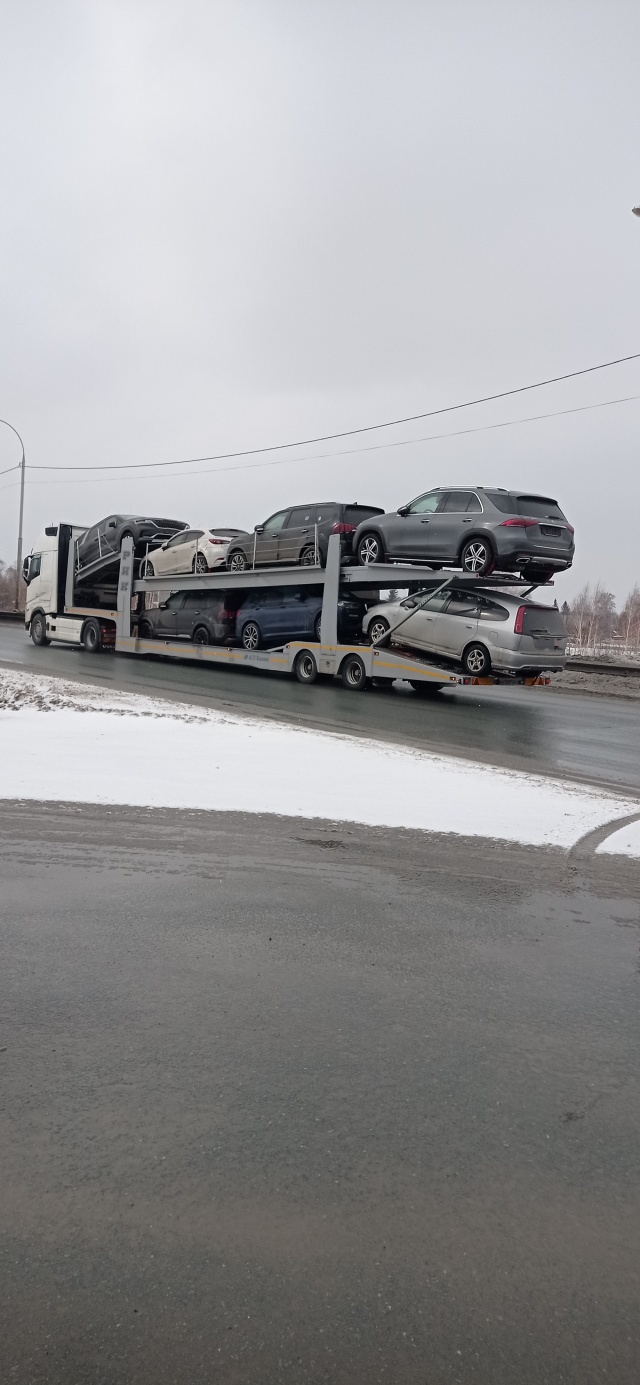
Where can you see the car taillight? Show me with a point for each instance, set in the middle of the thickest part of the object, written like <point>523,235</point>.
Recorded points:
<point>518,523</point>
<point>343,529</point>
<point>217,540</point>
<point>519,621</point>
<point>570,527</point>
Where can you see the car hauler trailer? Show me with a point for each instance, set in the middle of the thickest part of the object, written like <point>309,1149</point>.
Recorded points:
<point>60,608</point>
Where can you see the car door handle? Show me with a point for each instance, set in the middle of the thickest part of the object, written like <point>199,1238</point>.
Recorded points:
<point>425,521</point>
<point>466,521</point>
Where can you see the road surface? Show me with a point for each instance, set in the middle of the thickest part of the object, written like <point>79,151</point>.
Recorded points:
<point>591,738</point>
<point>293,1103</point>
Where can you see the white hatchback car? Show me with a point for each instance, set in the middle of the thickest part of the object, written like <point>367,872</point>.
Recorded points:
<point>192,550</point>
<point>478,630</point>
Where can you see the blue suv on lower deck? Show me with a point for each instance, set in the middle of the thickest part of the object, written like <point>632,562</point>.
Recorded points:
<point>275,617</point>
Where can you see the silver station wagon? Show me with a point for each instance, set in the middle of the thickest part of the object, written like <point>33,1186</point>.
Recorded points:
<point>480,631</point>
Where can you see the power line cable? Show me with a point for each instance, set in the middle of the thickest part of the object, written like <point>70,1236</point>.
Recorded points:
<point>348,433</point>
<point>353,451</point>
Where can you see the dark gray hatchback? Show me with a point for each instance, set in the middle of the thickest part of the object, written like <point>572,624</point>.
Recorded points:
<point>476,529</point>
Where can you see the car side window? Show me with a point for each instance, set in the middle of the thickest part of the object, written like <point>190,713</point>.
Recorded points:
<point>460,502</point>
<point>175,601</point>
<point>436,603</point>
<point>327,514</point>
<point>177,539</point>
<point>463,604</point>
<point>491,610</point>
<point>426,504</point>
<point>301,518</point>
<point>275,523</point>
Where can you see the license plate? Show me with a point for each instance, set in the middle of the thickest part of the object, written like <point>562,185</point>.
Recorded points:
<point>551,531</point>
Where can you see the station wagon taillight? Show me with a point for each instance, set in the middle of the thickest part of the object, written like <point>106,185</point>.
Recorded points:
<point>518,523</point>
<point>519,621</point>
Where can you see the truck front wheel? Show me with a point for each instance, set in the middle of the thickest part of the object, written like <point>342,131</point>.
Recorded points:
<point>38,630</point>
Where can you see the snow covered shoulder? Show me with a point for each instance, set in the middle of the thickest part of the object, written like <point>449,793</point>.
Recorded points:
<point>64,741</point>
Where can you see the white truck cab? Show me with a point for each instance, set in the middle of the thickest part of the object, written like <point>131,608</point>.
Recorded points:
<point>51,609</point>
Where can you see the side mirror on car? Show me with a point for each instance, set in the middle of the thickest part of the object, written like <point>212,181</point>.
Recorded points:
<point>258,528</point>
<point>163,605</point>
<point>404,510</point>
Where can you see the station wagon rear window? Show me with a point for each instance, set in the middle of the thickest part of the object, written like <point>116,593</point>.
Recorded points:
<point>529,506</point>
<point>543,620</point>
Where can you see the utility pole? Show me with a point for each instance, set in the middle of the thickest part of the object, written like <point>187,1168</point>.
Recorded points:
<point>22,473</point>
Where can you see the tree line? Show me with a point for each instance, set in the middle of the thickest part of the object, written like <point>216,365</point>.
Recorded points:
<point>592,618</point>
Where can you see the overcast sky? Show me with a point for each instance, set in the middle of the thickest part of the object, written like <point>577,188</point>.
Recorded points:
<point>233,223</point>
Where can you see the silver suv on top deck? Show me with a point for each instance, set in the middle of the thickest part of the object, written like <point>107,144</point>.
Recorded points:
<point>476,529</point>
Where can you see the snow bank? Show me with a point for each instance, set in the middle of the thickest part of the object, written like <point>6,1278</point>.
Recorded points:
<point>64,741</point>
<point>624,842</point>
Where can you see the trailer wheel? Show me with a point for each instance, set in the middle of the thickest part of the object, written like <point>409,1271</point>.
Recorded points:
<point>92,637</point>
<point>476,660</point>
<point>38,629</point>
<point>250,637</point>
<point>353,673</point>
<point>305,667</point>
<point>426,689</point>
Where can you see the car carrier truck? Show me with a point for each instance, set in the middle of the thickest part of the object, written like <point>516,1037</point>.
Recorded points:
<point>101,608</point>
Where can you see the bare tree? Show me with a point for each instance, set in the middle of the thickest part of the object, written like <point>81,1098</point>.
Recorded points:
<point>629,619</point>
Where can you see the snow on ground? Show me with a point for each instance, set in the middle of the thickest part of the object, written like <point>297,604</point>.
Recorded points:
<point>64,741</point>
<point>624,842</point>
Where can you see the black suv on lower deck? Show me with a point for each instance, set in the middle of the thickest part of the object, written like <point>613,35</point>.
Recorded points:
<point>299,535</point>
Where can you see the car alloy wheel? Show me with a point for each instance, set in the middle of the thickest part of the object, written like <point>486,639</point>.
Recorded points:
<point>476,661</point>
<point>251,635</point>
<point>145,630</point>
<point>476,558</point>
<point>308,557</point>
<point>146,568</point>
<point>200,563</point>
<point>377,629</point>
<point>201,635</point>
<point>237,562</point>
<point>317,627</point>
<point>370,550</point>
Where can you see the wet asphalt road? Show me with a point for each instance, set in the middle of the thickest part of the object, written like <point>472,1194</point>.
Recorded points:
<point>294,1102</point>
<point>591,738</point>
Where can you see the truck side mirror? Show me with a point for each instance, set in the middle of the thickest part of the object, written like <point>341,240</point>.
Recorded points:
<point>25,570</point>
